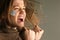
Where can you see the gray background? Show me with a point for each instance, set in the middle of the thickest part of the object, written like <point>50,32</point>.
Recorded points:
<point>50,21</point>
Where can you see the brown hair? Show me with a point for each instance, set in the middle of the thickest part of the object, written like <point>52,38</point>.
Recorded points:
<point>4,7</point>
<point>30,16</point>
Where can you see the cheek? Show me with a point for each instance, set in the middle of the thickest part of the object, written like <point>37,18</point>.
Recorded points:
<point>11,18</point>
<point>25,14</point>
<point>13,13</point>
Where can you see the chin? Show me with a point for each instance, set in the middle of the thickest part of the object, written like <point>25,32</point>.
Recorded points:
<point>20,24</point>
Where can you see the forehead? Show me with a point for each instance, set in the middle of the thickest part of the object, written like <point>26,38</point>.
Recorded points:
<point>18,3</point>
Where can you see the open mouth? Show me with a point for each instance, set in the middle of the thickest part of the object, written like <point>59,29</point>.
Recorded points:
<point>20,20</point>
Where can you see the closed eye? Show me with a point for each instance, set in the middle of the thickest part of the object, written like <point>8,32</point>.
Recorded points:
<point>16,8</point>
<point>24,8</point>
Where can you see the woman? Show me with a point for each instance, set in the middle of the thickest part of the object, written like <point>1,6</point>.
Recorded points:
<point>12,17</point>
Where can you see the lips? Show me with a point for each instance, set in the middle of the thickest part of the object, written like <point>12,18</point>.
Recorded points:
<point>20,19</point>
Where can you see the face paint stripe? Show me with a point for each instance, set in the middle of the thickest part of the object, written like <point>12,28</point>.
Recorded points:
<point>13,13</point>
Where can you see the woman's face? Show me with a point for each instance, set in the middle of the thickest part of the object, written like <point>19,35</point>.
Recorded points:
<point>17,15</point>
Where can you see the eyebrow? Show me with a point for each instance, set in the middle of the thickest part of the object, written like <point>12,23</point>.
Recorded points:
<point>15,6</point>
<point>18,6</point>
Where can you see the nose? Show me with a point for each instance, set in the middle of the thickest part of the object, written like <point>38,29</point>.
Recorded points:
<point>22,11</point>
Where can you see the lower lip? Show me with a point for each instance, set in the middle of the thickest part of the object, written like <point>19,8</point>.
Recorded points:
<point>19,21</point>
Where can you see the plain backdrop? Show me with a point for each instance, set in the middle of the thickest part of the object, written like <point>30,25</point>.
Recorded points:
<point>50,21</point>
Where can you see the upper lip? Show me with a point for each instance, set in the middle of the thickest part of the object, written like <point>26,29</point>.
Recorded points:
<point>20,17</point>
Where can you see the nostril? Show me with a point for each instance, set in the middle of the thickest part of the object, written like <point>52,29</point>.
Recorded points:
<point>21,11</point>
